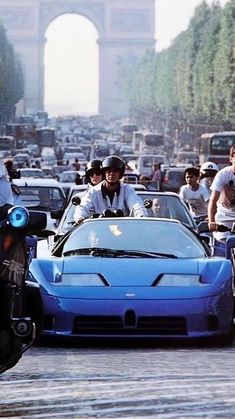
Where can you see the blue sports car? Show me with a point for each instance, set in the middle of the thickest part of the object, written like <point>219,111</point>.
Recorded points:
<point>134,278</point>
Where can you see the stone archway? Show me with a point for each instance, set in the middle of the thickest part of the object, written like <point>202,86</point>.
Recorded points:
<point>71,66</point>
<point>125,31</point>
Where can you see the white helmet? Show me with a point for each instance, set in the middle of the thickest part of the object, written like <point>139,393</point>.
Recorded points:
<point>209,168</point>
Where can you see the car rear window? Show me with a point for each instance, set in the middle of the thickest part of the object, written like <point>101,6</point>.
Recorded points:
<point>47,198</point>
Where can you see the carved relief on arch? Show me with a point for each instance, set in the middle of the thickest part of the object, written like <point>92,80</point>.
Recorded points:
<point>130,20</point>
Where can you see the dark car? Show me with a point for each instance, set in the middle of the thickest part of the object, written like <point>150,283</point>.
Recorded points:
<point>173,179</point>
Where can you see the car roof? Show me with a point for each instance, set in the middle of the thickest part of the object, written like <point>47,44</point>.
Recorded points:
<point>37,182</point>
<point>177,169</point>
<point>30,169</point>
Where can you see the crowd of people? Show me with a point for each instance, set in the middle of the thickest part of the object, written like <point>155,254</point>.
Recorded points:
<point>208,192</point>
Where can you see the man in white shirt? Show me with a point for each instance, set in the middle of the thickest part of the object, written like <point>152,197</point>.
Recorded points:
<point>195,195</point>
<point>221,208</point>
<point>110,194</point>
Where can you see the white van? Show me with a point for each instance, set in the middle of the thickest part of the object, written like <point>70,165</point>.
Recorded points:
<point>48,156</point>
<point>145,162</point>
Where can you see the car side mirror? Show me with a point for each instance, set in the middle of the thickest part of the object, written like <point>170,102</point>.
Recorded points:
<point>56,214</point>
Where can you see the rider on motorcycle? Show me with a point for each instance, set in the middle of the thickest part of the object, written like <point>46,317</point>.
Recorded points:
<point>195,195</point>
<point>6,196</point>
<point>93,172</point>
<point>221,208</point>
<point>208,171</point>
<point>110,194</point>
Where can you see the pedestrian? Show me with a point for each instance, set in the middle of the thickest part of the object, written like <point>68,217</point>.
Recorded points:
<point>156,176</point>
<point>221,208</point>
<point>13,173</point>
<point>111,194</point>
<point>196,196</point>
<point>76,165</point>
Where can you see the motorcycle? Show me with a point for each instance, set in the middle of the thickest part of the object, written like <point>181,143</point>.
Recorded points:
<point>18,240</point>
<point>218,247</point>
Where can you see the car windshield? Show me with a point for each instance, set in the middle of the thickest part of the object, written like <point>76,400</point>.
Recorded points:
<point>160,237</point>
<point>68,176</point>
<point>39,197</point>
<point>168,206</point>
<point>31,173</point>
<point>163,206</point>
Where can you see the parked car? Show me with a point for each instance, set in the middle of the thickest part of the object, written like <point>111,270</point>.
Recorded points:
<point>134,278</point>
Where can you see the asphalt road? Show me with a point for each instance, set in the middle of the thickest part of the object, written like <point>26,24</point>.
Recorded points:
<point>120,382</point>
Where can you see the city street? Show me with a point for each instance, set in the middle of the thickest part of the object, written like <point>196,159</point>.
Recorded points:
<point>126,382</point>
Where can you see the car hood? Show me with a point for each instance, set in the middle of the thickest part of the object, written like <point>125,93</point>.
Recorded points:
<point>216,275</point>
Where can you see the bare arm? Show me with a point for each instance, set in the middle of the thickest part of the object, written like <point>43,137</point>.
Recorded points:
<point>212,207</point>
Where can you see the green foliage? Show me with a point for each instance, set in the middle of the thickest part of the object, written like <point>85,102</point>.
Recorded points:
<point>224,81</point>
<point>194,79</point>
<point>11,77</point>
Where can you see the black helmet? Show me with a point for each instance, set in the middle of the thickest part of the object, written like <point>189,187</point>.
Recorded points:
<point>114,162</point>
<point>92,166</point>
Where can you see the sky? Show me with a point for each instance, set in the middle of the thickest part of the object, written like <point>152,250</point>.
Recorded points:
<point>71,55</point>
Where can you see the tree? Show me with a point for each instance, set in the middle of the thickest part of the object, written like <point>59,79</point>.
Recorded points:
<point>11,77</point>
<point>224,63</point>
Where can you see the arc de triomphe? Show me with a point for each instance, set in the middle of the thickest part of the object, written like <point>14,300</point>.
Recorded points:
<point>125,31</point>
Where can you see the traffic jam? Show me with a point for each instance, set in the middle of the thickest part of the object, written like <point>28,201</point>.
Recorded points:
<point>111,232</point>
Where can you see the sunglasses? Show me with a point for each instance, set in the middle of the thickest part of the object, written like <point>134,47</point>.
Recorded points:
<point>95,172</point>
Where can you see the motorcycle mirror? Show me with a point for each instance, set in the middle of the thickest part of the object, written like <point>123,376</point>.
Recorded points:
<point>148,203</point>
<point>203,226</point>
<point>76,200</point>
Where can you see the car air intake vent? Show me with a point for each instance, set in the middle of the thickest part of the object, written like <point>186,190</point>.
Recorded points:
<point>130,319</point>
<point>152,326</point>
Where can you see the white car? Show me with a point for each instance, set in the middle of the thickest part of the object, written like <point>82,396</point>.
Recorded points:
<point>29,172</point>
<point>44,195</point>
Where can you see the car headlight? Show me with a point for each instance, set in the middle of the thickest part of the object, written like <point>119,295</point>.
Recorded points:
<point>81,280</point>
<point>18,217</point>
<point>178,280</point>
